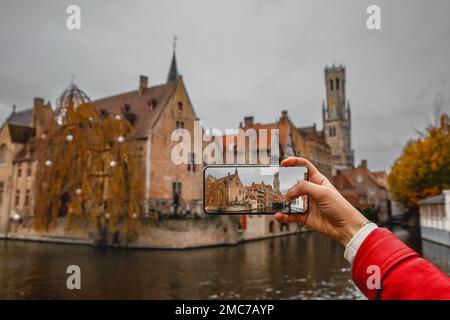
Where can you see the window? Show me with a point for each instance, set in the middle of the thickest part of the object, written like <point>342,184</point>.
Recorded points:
<point>180,106</point>
<point>2,189</point>
<point>19,172</point>
<point>337,84</point>
<point>372,191</point>
<point>29,170</point>
<point>179,125</point>
<point>3,153</point>
<point>17,199</point>
<point>332,131</point>
<point>176,189</point>
<point>331,84</point>
<point>191,163</point>
<point>27,198</point>
<point>359,178</point>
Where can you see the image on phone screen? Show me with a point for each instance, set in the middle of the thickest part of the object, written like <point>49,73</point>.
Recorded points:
<point>241,189</point>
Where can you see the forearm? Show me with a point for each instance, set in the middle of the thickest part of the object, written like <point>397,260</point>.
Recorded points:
<point>402,272</point>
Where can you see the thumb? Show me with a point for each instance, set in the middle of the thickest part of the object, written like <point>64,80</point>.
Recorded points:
<point>308,188</point>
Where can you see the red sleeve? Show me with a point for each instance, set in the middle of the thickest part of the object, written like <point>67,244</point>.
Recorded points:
<point>404,274</point>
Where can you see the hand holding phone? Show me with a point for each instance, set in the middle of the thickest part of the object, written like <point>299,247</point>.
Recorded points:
<point>252,189</point>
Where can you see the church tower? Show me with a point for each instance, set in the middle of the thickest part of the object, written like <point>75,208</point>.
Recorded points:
<point>276,183</point>
<point>336,118</point>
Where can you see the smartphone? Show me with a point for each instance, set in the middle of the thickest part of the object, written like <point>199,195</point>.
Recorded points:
<point>252,189</point>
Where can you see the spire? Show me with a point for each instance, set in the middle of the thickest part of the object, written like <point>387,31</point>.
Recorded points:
<point>349,112</point>
<point>324,113</point>
<point>173,71</point>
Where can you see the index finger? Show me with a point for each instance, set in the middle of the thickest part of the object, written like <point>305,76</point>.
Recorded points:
<point>314,175</point>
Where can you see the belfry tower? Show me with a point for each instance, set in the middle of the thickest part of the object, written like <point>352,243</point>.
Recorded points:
<point>276,183</point>
<point>336,117</point>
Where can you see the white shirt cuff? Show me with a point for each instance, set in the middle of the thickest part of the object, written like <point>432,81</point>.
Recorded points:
<point>353,245</point>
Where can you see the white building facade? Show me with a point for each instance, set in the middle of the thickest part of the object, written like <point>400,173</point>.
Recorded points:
<point>435,218</point>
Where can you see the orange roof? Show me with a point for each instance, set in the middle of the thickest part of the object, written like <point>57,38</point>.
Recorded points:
<point>283,131</point>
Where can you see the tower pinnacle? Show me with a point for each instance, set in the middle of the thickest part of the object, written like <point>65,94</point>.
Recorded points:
<point>173,70</point>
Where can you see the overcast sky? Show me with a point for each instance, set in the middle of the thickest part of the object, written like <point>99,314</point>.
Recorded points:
<point>238,58</point>
<point>288,176</point>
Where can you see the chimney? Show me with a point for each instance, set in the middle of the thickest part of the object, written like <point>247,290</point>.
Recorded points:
<point>38,106</point>
<point>248,122</point>
<point>38,102</point>
<point>284,114</point>
<point>143,83</point>
<point>364,163</point>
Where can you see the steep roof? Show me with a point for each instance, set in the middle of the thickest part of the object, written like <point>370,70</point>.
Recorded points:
<point>20,134</point>
<point>376,179</point>
<point>147,105</point>
<point>381,177</point>
<point>21,118</point>
<point>229,178</point>
<point>173,70</point>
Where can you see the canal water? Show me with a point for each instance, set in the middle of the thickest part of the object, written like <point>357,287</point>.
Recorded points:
<point>302,266</point>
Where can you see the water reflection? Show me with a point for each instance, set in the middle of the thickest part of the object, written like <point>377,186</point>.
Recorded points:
<point>304,266</point>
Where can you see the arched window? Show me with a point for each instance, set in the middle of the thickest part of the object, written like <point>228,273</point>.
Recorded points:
<point>331,84</point>
<point>337,84</point>
<point>3,153</point>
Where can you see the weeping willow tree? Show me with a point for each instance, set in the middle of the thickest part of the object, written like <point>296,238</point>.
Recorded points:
<point>88,170</point>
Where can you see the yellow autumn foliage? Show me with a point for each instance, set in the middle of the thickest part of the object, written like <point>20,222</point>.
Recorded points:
<point>423,169</point>
<point>88,169</point>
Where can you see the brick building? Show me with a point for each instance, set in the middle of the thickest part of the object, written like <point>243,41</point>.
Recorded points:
<point>156,111</point>
<point>235,190</point>
<point>262,193</point>
<point>305,142</point>
<point>364,189</point>
<point>17,161</point>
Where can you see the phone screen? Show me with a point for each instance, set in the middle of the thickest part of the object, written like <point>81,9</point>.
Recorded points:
<point>240,189</point>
